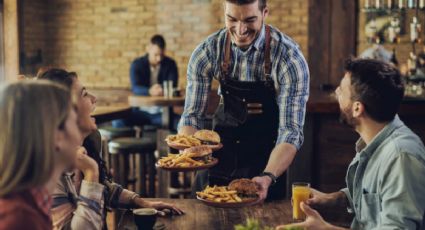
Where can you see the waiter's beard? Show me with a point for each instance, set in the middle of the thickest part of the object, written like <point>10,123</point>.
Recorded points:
<point>346,117</point>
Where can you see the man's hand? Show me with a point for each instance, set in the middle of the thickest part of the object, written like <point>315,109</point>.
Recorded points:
<point>320,199</point>
<point>156,90</point>
<point>263,183</point>
<point>313,221</point>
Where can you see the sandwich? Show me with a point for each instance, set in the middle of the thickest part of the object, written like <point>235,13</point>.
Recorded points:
<point>245,188</point>
<point>207,137</point>
<point>198,153</point>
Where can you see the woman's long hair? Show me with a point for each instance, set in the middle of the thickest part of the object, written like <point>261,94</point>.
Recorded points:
<point>66,78</point>
<point>30,114</point>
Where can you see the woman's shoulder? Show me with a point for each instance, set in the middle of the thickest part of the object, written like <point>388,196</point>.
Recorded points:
<point>16,213</point>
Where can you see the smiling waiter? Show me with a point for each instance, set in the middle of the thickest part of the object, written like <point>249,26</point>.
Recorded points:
<point>264,82</point>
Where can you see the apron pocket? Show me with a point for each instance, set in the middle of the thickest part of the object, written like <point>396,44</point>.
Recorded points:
<point>235,107</point>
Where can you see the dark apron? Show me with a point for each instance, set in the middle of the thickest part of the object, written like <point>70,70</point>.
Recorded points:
<point>247,120</point>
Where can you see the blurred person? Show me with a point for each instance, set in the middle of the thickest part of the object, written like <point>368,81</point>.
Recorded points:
<point>83,194</point>
<point>147,75</point>
<point>34,151</point>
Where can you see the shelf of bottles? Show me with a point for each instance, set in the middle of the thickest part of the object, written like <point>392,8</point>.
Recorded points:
<point>415,74</point>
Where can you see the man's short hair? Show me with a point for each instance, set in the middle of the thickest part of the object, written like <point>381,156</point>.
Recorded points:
<point>158,40</point>
<point>261,3</point>
<point>377,85</point>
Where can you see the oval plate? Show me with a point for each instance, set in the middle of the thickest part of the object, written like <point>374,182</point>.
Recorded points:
<point>244,203</point>
<point>213,162</point>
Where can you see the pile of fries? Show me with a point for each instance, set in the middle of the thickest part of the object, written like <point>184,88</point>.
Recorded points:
<point>219,194</point>
<point>183,140</point>
<point>179,161</point>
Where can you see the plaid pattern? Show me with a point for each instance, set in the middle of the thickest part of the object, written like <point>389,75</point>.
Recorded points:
<point>289,72</point>
<point>42,199</point>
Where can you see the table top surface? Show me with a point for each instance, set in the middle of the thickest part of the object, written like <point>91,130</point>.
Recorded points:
<point>104,110</point>
<point>134,100</point>
<point>107,113</point>
<point>201,216</point>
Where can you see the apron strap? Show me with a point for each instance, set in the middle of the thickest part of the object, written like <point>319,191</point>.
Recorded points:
<point>227,52</point>
<point>226,63</point>
<point>267,61</point>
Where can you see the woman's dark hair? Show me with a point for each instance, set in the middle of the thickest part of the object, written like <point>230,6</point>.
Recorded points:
<point>377,85</point>
<point>66,78</point>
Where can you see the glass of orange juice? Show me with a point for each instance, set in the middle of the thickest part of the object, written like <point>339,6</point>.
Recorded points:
<point>300,193</point>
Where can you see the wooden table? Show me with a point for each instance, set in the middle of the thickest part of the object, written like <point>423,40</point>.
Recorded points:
<point>108,113</point>
<point>166,103</point>
<point>201,216</point>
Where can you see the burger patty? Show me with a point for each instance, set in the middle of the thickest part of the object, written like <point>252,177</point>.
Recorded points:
<point>244,187</point>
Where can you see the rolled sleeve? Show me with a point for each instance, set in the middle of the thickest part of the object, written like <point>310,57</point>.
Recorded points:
<point>293,92</point>
<point>199,77</point>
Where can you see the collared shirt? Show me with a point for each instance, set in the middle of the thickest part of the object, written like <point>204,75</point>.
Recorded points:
<point>289,71</point>
<point>385,185</point>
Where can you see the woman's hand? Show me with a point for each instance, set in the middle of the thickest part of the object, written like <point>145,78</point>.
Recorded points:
<point>87,165</point>
<point>159,205</point>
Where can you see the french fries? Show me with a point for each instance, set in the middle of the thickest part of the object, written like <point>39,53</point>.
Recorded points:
<point>178,139</point>
<point>178,161</point>
<point>219,194</point>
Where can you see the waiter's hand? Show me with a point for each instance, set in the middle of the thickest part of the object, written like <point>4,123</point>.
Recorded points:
<point>263,183</point>
<point>156,90</point>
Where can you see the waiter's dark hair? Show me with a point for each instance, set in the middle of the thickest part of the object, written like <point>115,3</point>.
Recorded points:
<point>377,85</point>
<point>158,40</point>
<point>261,3</point>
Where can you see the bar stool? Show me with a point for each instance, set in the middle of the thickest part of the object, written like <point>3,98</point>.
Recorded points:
<point>121,149</point>
<point>108,133</point>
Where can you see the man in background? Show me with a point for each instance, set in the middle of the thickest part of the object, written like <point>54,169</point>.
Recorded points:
<point>147,75</point>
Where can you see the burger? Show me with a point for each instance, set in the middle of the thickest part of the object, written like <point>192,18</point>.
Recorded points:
<point>199,153</point>
<point>207,137</point>
<point>245,188</point>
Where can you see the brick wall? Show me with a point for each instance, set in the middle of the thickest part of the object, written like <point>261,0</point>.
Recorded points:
<point>99,38</point>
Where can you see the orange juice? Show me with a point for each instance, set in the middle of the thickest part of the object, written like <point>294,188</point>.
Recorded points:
<point>300,193</point>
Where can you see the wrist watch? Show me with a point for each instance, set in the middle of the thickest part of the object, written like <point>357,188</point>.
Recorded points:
<point>269,174</point>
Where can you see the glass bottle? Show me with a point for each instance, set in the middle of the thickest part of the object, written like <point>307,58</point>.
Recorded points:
<point>415,29</point>
<point>411,4</point>
<point>394,57</point>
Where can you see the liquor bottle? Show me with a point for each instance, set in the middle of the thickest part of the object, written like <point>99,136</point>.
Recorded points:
<point>378,4</point>
<point>401,4</point>
<point>411,4</point>
<point>421,4</point>
<point>415,29</point>
<point>411,64</point>
<point>394,58</point>
<point>391,4</point>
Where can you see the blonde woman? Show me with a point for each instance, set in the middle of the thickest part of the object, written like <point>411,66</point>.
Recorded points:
<point>38,139</point>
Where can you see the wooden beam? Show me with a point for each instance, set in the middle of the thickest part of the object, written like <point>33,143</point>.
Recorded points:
<point>11,39</point>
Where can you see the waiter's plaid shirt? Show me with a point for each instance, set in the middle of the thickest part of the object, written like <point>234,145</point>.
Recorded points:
<point>289,71</point>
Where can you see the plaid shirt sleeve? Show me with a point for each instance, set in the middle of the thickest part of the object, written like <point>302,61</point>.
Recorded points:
<point>293,91</point>
<point>199,77</point>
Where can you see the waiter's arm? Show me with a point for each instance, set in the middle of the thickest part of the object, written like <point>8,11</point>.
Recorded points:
<point>280,158</point>
<point>292,94</point>
<point>199,77</point>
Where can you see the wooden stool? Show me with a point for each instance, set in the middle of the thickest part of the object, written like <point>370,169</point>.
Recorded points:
<point>121,149</point>
<point>108,133</point>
